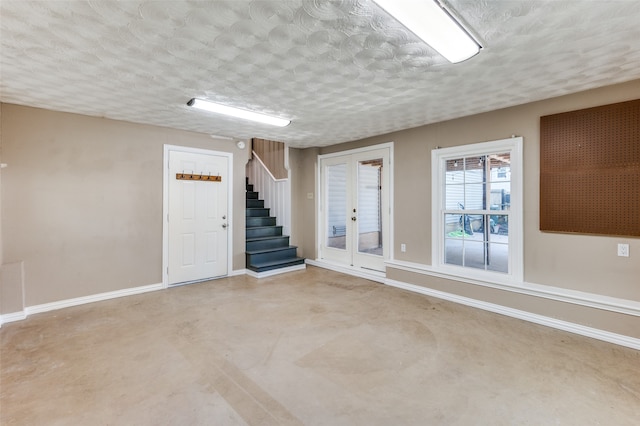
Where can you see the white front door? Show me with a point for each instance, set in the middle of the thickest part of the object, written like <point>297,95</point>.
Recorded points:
<point>355,213</point>
<point>198,217</point>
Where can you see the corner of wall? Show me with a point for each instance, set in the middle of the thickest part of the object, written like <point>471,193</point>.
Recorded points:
<point>12,288</point>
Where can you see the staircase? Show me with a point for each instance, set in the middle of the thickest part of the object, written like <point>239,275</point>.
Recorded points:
<point>266,248</point>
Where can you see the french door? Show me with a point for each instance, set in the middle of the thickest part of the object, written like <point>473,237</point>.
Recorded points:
<point>355,208</point>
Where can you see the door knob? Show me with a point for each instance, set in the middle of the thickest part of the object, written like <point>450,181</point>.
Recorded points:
<point>224,225</point>
<point>353,218</point>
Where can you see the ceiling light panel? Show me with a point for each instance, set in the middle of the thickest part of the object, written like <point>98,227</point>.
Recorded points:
<point>237,112</point>
<point>428,20</point>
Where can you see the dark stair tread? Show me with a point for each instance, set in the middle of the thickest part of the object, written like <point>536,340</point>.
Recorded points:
<point>256,218</point>
<point>270,237</point>
<point>263,226</point>
<point>275,264</point>
<point>270,250</point>
<point>265,232</point>
<point>257,208</point>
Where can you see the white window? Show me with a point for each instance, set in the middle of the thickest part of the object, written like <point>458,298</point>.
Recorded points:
<point>477,210</point>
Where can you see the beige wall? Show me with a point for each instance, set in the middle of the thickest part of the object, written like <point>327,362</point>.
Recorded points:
<point>272,155</point>
<point>81,208</point>
<point>577,262</point>
<point>82,201</point>
<point>302,163</point>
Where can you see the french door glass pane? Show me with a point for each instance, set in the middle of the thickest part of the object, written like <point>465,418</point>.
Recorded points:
<point>336,206</point>
<point>369,214</point>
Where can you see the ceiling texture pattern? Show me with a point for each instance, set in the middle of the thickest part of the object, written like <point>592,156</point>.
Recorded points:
<point>340,70</point>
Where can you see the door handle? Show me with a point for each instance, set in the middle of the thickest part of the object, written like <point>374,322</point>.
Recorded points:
<point>353,218</point>
<point>224,225</point>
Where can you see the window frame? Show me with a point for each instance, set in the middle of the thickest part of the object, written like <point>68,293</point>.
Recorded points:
<point>439,157</point>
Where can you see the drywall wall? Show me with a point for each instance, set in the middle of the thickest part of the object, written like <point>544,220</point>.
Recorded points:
<point>582,263</point>
<point>82,201</point>
<point>302,163</point>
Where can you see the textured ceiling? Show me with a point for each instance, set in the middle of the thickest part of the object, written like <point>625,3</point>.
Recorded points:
<point>340,70</point>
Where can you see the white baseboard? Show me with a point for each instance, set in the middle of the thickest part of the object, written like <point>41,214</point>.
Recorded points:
<point>46,307</point>
<point>595,333</point>
<point>607,303</point>
<point>14,316</point>
<point>61,304</point>
<point>357,272</point>
<point>574,297</point>
<point>275,271</point>
<point>36,309</point>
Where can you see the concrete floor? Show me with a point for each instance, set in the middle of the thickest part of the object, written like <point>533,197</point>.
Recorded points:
<point>312,347</point>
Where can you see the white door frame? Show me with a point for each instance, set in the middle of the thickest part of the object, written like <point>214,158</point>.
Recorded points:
<point>322,208</point>
<point>165,204</point>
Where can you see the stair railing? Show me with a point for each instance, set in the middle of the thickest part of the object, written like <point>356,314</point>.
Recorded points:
<point>276,193</point>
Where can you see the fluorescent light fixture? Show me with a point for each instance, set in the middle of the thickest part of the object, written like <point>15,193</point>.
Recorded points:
<point>431,22</point>
<point>237,112</point>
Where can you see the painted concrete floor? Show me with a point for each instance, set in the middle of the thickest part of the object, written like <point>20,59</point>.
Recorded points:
<point>311,347</point>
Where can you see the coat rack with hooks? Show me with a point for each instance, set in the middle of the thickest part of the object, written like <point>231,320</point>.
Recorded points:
<point>201,177</point>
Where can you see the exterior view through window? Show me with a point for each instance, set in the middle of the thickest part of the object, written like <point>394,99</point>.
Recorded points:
<point>477,206</point>
<point>477,210</point>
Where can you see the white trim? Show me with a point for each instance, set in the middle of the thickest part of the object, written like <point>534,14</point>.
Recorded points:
<point>264,166</point>
<point>516,229</point>
<point>201,280</point>
<point>61,304</point>
<point>356,272</point>
<point>319,206</point>
<point>357,150</point>
<point>276,193</point>
<point>14,316</point>
<point>623,306</point>
<point>273,272</point>
<point>237,272</point>
<point>165,204</point>
<point>595,333</point>
<point>591,300</point>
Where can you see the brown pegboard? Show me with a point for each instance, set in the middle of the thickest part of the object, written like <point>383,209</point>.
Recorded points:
<point>590,170</point>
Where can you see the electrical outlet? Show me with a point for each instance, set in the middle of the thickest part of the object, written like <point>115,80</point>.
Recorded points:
<point>403,248</point>
<point>623,250</point>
